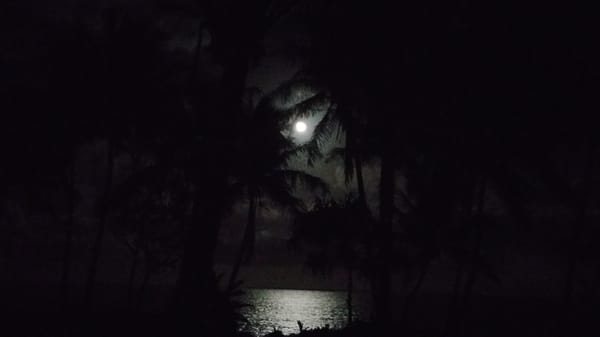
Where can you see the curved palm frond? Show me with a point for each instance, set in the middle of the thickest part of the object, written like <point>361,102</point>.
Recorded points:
<point>311,150</point>
<point>310,106</point>
<point>280,195</point>
<point>327,127</point>
<point>343,154</point>
<point>296,89</point>
<point>337,153</point>
<point>296,177</point>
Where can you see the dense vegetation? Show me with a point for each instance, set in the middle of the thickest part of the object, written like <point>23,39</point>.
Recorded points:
<point>138,121</point>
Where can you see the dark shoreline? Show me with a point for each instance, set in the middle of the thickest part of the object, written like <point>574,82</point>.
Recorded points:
<point>26,313</point>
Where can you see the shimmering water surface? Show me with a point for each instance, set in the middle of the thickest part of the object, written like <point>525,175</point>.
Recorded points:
<point>281,309</point>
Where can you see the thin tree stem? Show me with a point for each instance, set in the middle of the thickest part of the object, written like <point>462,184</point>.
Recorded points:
<point>132,273</point>
<point>349,289</point>
<point>578,228</point>
<point>411,298</point>
<point>143,286</point>
<point>97,247</point>
<point>476,251</point>
<point>69,224</point>
<point>247,238</point>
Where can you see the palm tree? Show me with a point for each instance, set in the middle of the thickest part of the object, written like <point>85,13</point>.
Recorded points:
<point>208,167</point>
<point>233,48</point>
<point>342,65</point>
<point>263,172</point>
<point>124,68</point>
<point>333,236</point>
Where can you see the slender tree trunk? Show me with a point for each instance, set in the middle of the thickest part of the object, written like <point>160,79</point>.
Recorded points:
<point>349,290</point>
<point>130,283</point>
<point>412,296</point>
<point>135,161</point>
<point>197,290</point>
<point>197,273</point>
<point>578,229</point>
<point>453,316</point>
<point>365,213</point>
<point>360,184</point>
<point>353,152</point>
<point>197,287</point>
<point>196,57</point>
<point>143,286</point>
<point>69,224</point>
<point>450,329</point>
<point>384,237</point>
<point>247,239</point>
<point>97,247</point>
<point>466,301</point>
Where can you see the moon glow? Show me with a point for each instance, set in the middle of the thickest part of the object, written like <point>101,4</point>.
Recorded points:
<point>300,127</point>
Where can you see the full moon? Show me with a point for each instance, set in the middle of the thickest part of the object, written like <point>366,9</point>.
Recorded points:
<point>300,126</point>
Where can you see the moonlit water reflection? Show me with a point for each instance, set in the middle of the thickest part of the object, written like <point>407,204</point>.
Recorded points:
<point>282,309</point>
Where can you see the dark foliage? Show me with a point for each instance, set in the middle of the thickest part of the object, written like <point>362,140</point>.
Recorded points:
<point>465,131</point>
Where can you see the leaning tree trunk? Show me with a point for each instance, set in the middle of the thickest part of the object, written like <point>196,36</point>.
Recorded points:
<point>139,230</point>
<point>368,229</point>
<point>349,291</point>
<point>354,157</point>
<point>246,246</point>
<point>103,219</point>
<point>466,301</point>
<point>384,237</point>
<point>360,184</point>
<point>580,218</point>
<point>130,283</point>
<point>365,214</point>
<point>196,57</point>
<point>197,292</point>
<point>143,286</point>
<point>412,296</point>
<point>451,317</point>
<point>69,224</point>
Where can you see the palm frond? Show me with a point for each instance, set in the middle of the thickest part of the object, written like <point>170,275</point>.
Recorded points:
<point>309,107</point>
<point>337,153</point>
<point>311,182</point>
<point>345,155</point>
<point>312,152</point>
<point>280,195</point>
<point>326,128</point>
<point>323,132</point>
<point>292,91</point>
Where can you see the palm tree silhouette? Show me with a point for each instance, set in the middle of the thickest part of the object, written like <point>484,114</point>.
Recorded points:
<point>121,65</point>
<point>263,172</point>
<point>333,235</point>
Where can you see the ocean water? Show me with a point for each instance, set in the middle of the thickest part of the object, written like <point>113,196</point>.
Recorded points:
<point>281,309</point>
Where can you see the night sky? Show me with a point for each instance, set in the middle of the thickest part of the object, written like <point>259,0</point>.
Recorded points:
<point>450,150</point>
